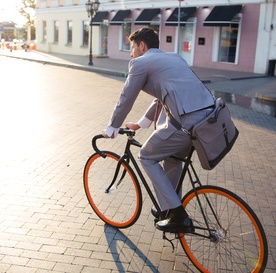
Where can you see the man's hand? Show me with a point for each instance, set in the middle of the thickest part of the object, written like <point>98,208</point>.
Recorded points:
<point>106,136</point>
<point>132,126</point>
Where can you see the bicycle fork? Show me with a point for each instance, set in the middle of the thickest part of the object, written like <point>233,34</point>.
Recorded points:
<point>119,164</point>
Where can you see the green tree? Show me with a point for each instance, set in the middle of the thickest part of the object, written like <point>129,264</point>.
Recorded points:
<point>27,9</point>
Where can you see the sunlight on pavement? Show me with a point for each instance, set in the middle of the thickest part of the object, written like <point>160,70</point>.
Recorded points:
<point>21,112</point>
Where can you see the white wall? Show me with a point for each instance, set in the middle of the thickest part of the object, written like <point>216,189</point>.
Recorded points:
<point>266,42</point>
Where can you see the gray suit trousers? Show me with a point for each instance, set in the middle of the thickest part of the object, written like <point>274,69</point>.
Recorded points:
<point>164,171</point>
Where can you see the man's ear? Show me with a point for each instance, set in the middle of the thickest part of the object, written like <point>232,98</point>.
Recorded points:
<point>143,47</point>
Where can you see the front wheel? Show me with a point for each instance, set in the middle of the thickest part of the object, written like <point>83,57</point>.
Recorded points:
<point>235,240</point>
<point>112,190</point>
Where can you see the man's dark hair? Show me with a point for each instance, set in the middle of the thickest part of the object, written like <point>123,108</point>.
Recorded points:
<point>146,35</point>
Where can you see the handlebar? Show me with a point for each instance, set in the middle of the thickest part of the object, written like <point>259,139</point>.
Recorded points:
<point>94,145</point>
<point>122,131</point>
<point>128,132</point>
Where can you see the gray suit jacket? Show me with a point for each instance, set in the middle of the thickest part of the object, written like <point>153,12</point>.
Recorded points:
<point>168,78</point>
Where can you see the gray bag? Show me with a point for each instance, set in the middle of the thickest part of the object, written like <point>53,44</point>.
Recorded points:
<point>214,136</point>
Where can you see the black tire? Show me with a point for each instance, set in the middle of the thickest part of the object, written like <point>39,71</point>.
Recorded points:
<point>120,207</point>
<point>238,245</point>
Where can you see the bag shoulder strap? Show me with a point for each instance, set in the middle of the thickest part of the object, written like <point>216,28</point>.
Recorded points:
<point>174,122</point>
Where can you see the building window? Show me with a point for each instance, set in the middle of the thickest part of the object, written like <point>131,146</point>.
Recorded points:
<point>228,43</point>
<point>85,34</point>
<point>44,31</point>
<point>155,28</point>
<point>56,31</point>
<point>69,32</point>
<point>126,31</point>
<point>155,24</point>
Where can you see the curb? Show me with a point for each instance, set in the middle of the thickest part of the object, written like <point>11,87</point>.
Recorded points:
<point>266,99</point>
<point>265,104</point>
<point>74,66</point>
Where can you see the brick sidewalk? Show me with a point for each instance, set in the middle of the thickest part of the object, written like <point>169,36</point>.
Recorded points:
<point>46,222</point>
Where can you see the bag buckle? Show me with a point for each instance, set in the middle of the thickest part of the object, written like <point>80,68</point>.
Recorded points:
<point>185,131</point>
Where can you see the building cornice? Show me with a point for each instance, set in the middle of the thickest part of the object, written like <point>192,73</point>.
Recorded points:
<point>172,4</point>
<point>121,5</point>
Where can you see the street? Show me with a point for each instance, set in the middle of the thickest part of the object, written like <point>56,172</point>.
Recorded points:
<point>48,116</point>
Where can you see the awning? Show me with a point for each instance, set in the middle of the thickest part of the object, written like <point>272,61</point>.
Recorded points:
<point>146,16</point>
<point>99,17</point>
<point>118,19</point>
<point>222,15</point>
<point>185,14</point>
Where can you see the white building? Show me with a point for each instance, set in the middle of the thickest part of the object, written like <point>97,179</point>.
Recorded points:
<point>223,34</point>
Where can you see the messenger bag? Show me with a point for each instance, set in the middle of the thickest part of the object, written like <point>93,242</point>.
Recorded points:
<point>214,136</point>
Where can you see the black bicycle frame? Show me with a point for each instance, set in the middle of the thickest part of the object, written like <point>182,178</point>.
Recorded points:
<point>128,156</point>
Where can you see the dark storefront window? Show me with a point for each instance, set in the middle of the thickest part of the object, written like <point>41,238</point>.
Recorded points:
<point>56,31</point>
<point>44,31</point>
<point>155,28</point>
<point>69,32</point>
<point>85,34</point>
<point>126,27</point>
<point>228,43</point>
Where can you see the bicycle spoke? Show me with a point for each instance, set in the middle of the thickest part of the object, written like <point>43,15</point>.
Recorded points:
<point>228,235</point>
<point>233,244</point>
<point>118,203</point>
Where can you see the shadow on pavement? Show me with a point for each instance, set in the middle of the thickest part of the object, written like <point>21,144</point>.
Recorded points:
<point>123,251</point>
<point>126,254</point>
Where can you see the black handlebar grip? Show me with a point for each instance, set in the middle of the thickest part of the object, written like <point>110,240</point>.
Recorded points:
<point>94,145</point>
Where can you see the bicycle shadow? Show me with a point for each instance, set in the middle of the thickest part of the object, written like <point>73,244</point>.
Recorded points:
<point>127,256</point>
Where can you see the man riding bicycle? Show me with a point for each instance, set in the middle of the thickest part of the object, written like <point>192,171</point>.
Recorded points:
<point>183,98</point>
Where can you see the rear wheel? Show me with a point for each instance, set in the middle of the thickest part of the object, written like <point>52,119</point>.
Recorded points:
<point>237,242</point>
<point>116,199</point>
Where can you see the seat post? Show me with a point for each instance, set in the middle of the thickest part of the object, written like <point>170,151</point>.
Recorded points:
<point>185,168</point>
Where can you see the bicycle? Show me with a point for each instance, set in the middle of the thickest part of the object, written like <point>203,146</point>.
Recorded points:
<point>228,235</point>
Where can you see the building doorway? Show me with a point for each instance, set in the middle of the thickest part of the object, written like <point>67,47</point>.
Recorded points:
<point>104,38</point>
<point>187,41</point>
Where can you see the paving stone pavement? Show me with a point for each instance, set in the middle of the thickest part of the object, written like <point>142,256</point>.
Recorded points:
<point>46,223</point>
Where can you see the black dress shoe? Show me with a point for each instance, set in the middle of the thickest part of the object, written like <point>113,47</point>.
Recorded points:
<point>157,215</point>
<point>174,225</point>
<point>178,221</point>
